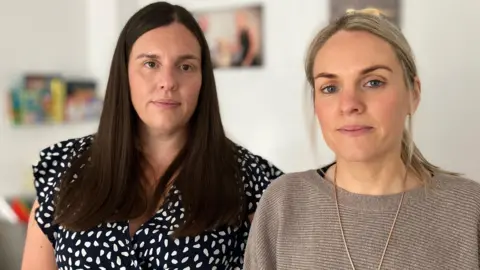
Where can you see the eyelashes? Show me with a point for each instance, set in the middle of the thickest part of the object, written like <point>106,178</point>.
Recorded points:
<point>371,84</point>
<point>375,83</point>
<point>150,64</point>
<point>182,67</point>
<point>329,89</point>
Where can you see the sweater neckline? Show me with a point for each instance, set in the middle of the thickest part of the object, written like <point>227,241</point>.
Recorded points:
<point>376,203</point>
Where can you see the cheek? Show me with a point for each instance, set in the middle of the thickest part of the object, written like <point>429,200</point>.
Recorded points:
<point>138,86</point>
<point>391,111</point>
<point>325,113</point>
<point>192,91</point>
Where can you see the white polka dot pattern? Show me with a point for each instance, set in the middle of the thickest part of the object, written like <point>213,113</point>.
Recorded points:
<point>109,246</point>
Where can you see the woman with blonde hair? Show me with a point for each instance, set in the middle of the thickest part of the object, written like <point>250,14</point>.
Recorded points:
<point>381,204</point>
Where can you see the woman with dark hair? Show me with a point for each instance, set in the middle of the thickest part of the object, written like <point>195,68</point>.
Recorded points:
<point>159,185</point>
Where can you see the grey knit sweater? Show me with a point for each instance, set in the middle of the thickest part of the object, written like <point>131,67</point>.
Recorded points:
<point>296,226</point>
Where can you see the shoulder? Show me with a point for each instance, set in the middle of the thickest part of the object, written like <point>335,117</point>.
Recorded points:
<point>63,151</point>
<point>290,196</point>
<point>256,164</point>
<point>256,174</point>
<point>463,189</point>
<point>293,185</point>
<point>55,159</point>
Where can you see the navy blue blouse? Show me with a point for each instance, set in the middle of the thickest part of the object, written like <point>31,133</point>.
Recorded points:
<point>109,245</point>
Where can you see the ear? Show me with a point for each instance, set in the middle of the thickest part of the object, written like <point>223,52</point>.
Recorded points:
<point>415,94</point>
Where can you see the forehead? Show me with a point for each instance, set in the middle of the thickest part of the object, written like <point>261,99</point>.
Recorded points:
<point>173,39</point>
<point>354,50</point>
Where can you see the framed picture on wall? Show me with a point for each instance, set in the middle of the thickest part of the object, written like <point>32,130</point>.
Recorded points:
<point>389,8</point>
<point>234,36</point>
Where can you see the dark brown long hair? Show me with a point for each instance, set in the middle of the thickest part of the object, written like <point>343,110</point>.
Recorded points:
<point>109,187</point>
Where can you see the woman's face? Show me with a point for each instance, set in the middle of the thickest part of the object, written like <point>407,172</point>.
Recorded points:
<point>361,100</point>
<point>165,76</point>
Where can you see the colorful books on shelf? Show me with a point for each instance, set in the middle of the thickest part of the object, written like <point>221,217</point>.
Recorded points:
<point>53,99</point>
<point>16,209</point>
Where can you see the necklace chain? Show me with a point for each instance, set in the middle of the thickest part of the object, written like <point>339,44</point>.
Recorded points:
<point>343,233</point>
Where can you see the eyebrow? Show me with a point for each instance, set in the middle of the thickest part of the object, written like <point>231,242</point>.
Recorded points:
<point>363,72</point>
<point>180,58</point>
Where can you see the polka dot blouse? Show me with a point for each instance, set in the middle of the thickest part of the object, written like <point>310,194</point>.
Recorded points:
<point>109,245</point>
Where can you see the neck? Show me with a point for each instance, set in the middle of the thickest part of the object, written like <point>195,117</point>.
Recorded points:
<point>371,178</point>
<point>161,149</point>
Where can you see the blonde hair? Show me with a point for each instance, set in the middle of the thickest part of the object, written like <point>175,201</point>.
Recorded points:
<point>372,21</point>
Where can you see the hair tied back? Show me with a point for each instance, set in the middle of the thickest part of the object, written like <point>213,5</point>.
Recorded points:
<point>369,11</point>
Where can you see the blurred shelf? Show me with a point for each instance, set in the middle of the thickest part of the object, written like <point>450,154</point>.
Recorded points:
<point>55,125</point>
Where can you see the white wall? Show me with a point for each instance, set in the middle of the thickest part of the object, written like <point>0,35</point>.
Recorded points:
<point>263,109</point>
<point>38,36</point>
<point>446,43</point>
<point>101,22</point>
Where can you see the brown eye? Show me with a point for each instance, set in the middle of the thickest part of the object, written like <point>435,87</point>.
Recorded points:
<point>150,64</point>
<point>186,67</point>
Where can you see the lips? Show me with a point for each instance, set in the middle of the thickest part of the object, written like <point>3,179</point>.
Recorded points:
<point>355,130</point>
<point>166,103</point>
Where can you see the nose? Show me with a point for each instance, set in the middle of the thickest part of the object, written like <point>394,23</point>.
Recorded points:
<point>352,101</point>
<point>167,79</point>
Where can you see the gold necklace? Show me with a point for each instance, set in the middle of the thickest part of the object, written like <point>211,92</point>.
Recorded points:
<point>341,226</point>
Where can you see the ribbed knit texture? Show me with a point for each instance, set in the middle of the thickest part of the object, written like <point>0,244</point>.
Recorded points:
<point>296,226</point>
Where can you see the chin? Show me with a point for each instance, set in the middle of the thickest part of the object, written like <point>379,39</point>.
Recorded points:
<point>355,151</point>
<point>354,159</point>
<point>153,127</point>
<point>356,155</point>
